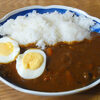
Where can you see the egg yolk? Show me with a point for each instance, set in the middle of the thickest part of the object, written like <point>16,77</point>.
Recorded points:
<point>6,49</point>
<point>32,60</point>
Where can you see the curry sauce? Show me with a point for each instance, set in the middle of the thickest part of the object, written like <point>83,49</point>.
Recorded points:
<point>68,67</point>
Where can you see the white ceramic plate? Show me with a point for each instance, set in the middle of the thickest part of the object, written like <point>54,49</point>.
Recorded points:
<point>41,9</point>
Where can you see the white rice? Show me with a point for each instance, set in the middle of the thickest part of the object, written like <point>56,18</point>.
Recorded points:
<point>47,29</point>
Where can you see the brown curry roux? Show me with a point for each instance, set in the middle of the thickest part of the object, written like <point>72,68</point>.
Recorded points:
<point>68,67</point>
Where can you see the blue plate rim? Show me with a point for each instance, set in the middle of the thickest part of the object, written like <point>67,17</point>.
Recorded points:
<point>47,7</point>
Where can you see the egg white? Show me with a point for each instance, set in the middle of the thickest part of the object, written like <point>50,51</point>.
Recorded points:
<point>16,50</point>
<point>28,73</point>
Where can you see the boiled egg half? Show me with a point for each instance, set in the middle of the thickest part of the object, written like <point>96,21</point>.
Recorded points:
<point>31,63</point>
<point>9,50</point>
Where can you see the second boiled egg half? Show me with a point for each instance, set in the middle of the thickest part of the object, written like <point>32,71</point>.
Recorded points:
<point>31,63</point>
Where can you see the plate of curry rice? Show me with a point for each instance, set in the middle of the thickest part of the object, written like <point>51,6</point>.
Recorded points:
<point>50,51</point>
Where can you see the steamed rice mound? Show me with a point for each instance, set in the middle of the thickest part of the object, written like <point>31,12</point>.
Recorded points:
<point>47,29</point>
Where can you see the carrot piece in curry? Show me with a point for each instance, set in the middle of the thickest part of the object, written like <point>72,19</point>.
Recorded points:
<point>49,51</point>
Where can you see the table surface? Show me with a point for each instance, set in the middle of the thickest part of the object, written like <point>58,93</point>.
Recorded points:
<point>90,6</point>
